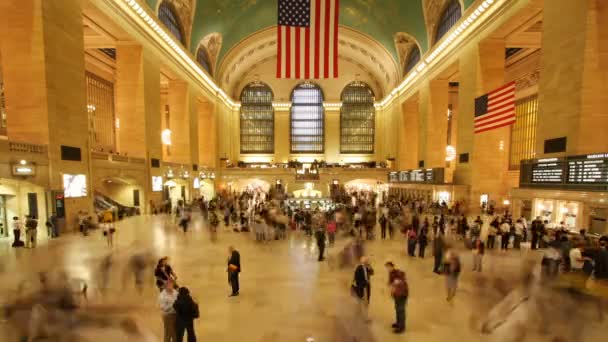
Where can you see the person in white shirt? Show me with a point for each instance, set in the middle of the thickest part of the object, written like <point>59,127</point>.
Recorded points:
<point>519,233</point>
<point>165,301</point>
<point>17,232</point>
<point>576,259</point>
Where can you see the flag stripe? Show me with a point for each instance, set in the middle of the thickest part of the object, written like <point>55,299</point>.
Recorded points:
<point>335,36</point>
<point>288,51</point>
<point>506,123</point>
<point>500,109</point>
<point>307,39</point>
<point>494,115</point>
<point>279,50</point>
<point>326,52</point>
<point>317,35</point>
<point>510,84</point>
<point>307,55</point>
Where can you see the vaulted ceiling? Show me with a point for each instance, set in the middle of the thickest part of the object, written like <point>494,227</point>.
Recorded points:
<point>234,20</point>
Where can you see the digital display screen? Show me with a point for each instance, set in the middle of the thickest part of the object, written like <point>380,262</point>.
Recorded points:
<point>590,169</point>
<point>74,185</point>
<point>157,183</point>
<point>548,171</point>
<point>430,176</point>
<point>589,172</point>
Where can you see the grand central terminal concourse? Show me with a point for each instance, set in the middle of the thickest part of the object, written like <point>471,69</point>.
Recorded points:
<point>303,170</point>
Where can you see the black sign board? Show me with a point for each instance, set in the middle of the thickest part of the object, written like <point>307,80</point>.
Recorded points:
<point>585,172</point>
<point>428,176</point>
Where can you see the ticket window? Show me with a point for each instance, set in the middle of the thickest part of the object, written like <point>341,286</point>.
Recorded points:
<point>568,212</point>
<point>545,209</point>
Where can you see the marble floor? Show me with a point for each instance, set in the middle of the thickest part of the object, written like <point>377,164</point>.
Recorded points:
<point>286,295</point>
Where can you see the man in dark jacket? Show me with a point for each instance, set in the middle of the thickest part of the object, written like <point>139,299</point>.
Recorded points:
<point>438,247</point>
<point>400,292</point>
<point>186,311</point>
<point>362,281</point>
<point>234,268</point>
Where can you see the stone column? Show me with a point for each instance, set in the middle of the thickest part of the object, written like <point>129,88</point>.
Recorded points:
<point>207,151</point>
<point>573,91</point>
<point>137,109</point>
<point>281,136</point>
<point>179,108</point>
<point>42,47</point>
<point>436,123</point>
<point>482,69</point>
<point>408,135</point>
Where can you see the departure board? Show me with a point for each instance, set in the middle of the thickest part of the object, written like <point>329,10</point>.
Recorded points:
<point>588,169</point>
<point>429,176</point>
<point>585,172</point>
<point>548,171</point>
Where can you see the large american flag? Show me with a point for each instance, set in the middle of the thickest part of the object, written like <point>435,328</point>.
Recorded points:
<point>495,109</point>
<point>307,39</point>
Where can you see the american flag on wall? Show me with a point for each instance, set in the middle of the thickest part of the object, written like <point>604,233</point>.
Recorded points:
<point>307,39</point>
<point>495,109</point>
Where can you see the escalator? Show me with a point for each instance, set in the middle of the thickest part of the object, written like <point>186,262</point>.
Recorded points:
<point>103,203</point>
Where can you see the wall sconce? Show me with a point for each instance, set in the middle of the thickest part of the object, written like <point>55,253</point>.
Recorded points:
<point>203,175</point>
<point>169,174</point>
<point>450,153</point>
<point>165,137</point>
<point>212,175</point>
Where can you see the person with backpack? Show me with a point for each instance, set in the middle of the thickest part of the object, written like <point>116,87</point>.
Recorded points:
<point>400,292</point>
<point>186,311</point>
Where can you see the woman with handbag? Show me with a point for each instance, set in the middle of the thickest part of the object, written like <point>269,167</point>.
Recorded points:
<point>186,310</point>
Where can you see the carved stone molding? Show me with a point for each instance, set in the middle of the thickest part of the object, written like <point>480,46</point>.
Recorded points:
<point>528,80</point>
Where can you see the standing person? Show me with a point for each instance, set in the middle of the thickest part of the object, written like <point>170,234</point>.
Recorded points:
<point>438,249</point>
<point>362,283</point>
<point>17,230</point>
<point>31,231</point>
<point>50,229</point>
<point>537,225</point>
<point>505,234</point>
<point>383,223</point>
<point>519,234</point>
<point>186,311</point>
<point>331,231</point>
<point>411,241</point>
<point>492,230</point>
<point>422,240</point>
<point>234,268</point>
<point>320,237</point>
<point>478,252</point>
<point>452,272</point>
<point>164,273</point>
<point>166,299</point>
<point>399,291</point>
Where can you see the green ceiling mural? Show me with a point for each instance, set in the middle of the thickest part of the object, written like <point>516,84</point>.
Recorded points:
<point>236,19</point>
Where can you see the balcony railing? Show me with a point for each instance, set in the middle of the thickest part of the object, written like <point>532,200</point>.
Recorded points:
<point>26,147</point>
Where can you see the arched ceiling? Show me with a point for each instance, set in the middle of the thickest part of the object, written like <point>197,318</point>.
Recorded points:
<point>380,19</point>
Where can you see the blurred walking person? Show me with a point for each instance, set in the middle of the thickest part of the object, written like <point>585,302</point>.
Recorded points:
<point>234,268</point>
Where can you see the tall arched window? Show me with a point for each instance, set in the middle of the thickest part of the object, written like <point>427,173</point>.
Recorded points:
<point>257,119</point>
<point>169,18</point>
<point>202,57</point>
<point>412,59</point>
<point>357,119</point>
<point>451,14</point>
<point>307,119</point>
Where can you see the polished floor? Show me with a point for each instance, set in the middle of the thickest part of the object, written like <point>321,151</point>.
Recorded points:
<point>286,295</point>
